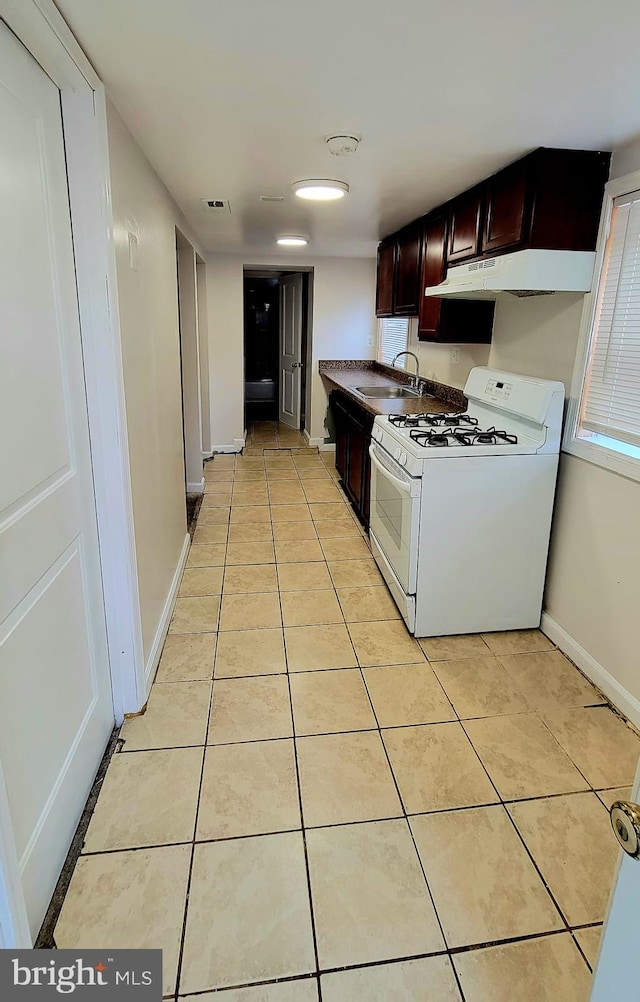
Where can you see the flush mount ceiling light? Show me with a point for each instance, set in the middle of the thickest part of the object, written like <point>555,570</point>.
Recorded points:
<point>320,189</point>
<point>292,240</point>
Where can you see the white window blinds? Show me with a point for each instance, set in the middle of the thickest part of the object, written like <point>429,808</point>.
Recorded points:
<point>393,336</point>
<point>611,398</point>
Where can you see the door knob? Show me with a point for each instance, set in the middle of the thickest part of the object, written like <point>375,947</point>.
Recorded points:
<point>625,821</point>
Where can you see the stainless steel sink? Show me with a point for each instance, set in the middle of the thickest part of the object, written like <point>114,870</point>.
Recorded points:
<point>387,392</point>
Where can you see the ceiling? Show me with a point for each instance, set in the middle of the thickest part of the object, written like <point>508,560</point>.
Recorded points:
<point>234,98</point>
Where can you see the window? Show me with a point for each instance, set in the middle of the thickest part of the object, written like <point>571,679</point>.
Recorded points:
<point>606,421</point>
<point>393,336</point>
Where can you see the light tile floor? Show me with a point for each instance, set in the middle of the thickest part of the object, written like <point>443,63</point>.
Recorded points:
<point>314,802</point>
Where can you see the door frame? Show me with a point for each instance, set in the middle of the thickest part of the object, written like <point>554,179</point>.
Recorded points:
<point>40,27</point>
<point>274,269</point>
<point>190,374</point>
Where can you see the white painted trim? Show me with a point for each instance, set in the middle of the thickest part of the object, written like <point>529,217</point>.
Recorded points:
<point>314,443</point>
<point>165,618</point>
<point>590,451</point>
<point>597,673</point>
<point>90,199</point>
<point>240,442</point>
<point>207,455</point>
<point>228,448</point>
<point>326,446</point>
<point>196,488</point>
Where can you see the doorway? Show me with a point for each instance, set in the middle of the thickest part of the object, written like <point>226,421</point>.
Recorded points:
<point>190,282</point>
<point>277,338</point>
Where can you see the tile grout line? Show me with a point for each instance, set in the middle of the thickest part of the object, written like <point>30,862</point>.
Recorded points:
<point>314,932</point>
<point>409,829</point>
<point>193,843</point>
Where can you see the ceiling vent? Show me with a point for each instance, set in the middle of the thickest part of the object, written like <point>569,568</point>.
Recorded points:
<point>217,206</point>
<point>272,198</point>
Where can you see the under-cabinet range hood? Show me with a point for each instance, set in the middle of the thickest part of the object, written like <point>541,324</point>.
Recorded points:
<point>522,273</point>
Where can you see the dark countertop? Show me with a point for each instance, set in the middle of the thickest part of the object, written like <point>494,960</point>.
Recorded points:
<point>345,375</point>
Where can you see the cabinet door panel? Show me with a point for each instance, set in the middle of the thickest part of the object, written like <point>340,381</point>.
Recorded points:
<point>385,279</point>
<point>355,475</point>
<point>464,226</point>
<point>433,272</point>
<point>341,419</point>
<point>408,263</point>
<point>506,210</point>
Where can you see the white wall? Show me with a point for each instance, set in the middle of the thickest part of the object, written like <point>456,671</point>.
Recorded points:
<point>343,327</point>
<point>148,307</point>
<point>593,582</point>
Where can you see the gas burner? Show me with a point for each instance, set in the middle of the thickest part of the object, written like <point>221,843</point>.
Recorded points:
<point>456,420</point>
<point>438,439</point>
<point>492,436</point>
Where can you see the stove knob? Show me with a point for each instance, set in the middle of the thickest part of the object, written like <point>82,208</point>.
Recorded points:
<point>377,433</point>
<point>397,453</point>
<point>402,459</point>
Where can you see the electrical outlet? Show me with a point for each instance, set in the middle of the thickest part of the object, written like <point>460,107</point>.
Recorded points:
<point>370,342</point>
<point>455,355</point>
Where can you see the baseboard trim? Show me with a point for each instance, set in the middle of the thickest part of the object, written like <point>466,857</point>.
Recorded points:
<point>327,447</point>
<point>317,443</point>
<point>597,673</point>
<point>207,455</point>
<point>237,447</point>
<point>165,618</point>
<point>196,488</point>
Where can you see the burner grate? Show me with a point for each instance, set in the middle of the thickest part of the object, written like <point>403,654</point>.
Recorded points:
<point>468,436</point>
<point>432,420</point>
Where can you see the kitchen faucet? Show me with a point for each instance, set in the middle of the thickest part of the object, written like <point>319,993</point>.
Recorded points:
<point>415,380</point>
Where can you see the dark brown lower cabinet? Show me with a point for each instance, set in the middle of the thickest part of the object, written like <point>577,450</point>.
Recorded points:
<point>353,434</point>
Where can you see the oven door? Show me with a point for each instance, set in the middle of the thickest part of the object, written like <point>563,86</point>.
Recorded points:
<point>394,519</point>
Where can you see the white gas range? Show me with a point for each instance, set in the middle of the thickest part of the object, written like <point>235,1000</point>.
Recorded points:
<point>461,506</point>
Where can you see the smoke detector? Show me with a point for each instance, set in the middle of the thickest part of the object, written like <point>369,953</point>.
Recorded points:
<point>217,206</point>
<point>343,145</point>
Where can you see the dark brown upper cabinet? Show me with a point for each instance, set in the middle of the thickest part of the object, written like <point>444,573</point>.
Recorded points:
<point>465,221</point>
<point>505,198</point>
<point>386,278</point>
<point>550,199</point>
<point>449,321</point>
<point>408,264</point>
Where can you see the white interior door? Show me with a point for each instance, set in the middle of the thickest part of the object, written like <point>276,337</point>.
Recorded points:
<point>290,349</point>
<point>616,974</point>
<point>56,709</point>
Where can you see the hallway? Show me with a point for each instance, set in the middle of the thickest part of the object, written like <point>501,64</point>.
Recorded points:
<point>311,789</point>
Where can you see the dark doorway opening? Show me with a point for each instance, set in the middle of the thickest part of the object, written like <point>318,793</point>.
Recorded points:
<point>261,348</point>
<point>263,345</point>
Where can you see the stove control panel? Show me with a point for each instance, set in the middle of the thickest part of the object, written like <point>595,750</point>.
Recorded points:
<point>498,389</point>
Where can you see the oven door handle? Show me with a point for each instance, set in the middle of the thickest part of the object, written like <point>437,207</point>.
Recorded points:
<point>400,484</point>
